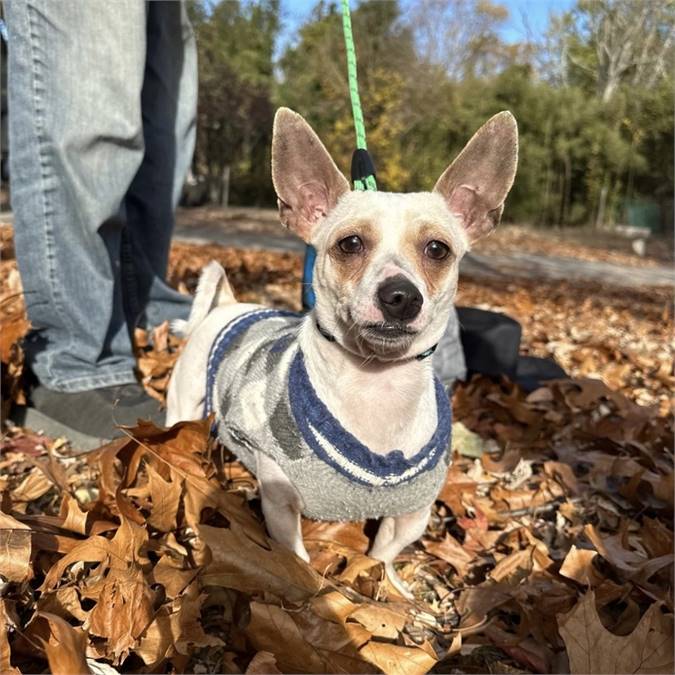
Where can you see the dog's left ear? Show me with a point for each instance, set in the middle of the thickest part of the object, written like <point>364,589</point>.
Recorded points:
<point>306,180</point>
<point>475,185</point>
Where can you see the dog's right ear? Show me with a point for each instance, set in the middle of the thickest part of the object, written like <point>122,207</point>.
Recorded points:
<point>306,179</point>
<point>475,185</point>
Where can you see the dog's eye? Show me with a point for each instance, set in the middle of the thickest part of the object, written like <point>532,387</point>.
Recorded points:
<point>351,244</point>
<point>436,250</point>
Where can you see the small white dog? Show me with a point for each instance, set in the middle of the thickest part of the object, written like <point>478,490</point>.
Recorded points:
<point>338,413</point>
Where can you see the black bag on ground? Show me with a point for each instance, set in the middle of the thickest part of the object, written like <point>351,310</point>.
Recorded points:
<point>491,344</point>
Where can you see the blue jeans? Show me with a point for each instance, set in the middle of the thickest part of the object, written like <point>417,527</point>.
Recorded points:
<point>102,105</point>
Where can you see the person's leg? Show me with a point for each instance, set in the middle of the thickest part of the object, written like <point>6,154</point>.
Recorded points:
<point>76,141</point>
<point>169,104</point>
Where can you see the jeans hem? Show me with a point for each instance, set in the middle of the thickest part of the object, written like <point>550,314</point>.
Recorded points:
<point>89,382</point>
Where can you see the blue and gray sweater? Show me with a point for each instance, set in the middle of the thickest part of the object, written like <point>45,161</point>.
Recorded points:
<point>264,401</point>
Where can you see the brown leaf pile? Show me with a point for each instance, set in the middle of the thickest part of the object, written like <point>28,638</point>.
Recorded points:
<point>13,325</point>
<point>271,279</point>
<point>621,336</point>
<point>550,549</point>
<point>150,557</point>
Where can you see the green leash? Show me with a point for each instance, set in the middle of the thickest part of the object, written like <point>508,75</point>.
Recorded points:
<point>363,170</point>
<point>363,174</point>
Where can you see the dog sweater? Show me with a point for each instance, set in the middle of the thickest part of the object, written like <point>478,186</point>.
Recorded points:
<point>264,401</point>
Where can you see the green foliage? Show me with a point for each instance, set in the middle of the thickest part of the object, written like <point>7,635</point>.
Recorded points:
<point>314,82</point>
<point>236,80</point>
<point>593,100</point>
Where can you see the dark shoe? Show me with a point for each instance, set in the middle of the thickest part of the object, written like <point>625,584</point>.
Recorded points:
<point>88,419</point>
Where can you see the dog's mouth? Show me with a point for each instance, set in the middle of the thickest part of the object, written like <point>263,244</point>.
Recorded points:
<point>387,333</point>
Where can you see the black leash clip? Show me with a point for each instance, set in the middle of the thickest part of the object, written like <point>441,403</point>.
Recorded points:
<point>362,166</point>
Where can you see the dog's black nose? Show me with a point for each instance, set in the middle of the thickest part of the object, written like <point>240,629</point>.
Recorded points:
<point>399,299</point>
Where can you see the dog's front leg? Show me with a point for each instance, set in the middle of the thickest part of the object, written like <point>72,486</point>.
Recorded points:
<point>281,506</point>
<point>394,534</point>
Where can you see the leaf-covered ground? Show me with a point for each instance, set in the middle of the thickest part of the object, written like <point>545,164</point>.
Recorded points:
<point>550,548</point>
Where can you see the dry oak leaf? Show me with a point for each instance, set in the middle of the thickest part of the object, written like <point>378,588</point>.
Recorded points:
<point>591,648</point>
<point>165,497</point>
<point>117,553</point>
<point>32,487</point>
<point>15,549</point>
<point>263,663</point>
<point>333,606</point>
<point>347,535</point>
<point>169,572</point>
<point>303,642</point>
<point>379,620</point>
<point>12,329</point>
<point>612,549</point>
<point>176,629</point>
<point>63,602</point>
<point>578,566</point>
<point>122,613</point>
<point>240,563</point>
<point>74,518</point>
<point>356,566</point>
<point>66,649</point>
<point>395,660</point>
<point>6,667</point>
<point>450,550</point>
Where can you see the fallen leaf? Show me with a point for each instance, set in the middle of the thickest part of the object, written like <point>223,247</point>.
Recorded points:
<point>165,497</point>
<point>170,573</point>
<point>333,606</point>
<point>263,663</point>
<point>237,562</point>
<point>15,549</point>
<point>176,629</point>
<point>591,648</point>
<point>122,613</point>
<point>396,660</point>
<point>357,565</point>
<point>101,668</point>
<point>303,642</point>
<point>612,549</point>
<point>67,646</point>
<point>466,442</point>
<point>32,487</point>
<point>518,565</point>
<point>450,550</point>
<point>348,534</point>
<point>74,518</point>
<point>379,620</point>
<point>578,566</point>
<point>6,666</point>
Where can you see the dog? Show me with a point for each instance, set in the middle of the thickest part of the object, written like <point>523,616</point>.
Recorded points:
<point>337,412</point>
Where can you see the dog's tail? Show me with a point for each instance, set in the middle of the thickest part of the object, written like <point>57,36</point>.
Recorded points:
<point>213,290</point>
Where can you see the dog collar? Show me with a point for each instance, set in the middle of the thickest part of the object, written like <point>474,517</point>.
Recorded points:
<point>331,338</point>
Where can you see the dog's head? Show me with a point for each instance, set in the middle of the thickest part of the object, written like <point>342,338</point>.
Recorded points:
<point>386,268</point>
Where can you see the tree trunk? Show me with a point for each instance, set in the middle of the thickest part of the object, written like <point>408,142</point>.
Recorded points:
<point>602,204</point>
<point>567,192</point>
<point>224,187</point>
